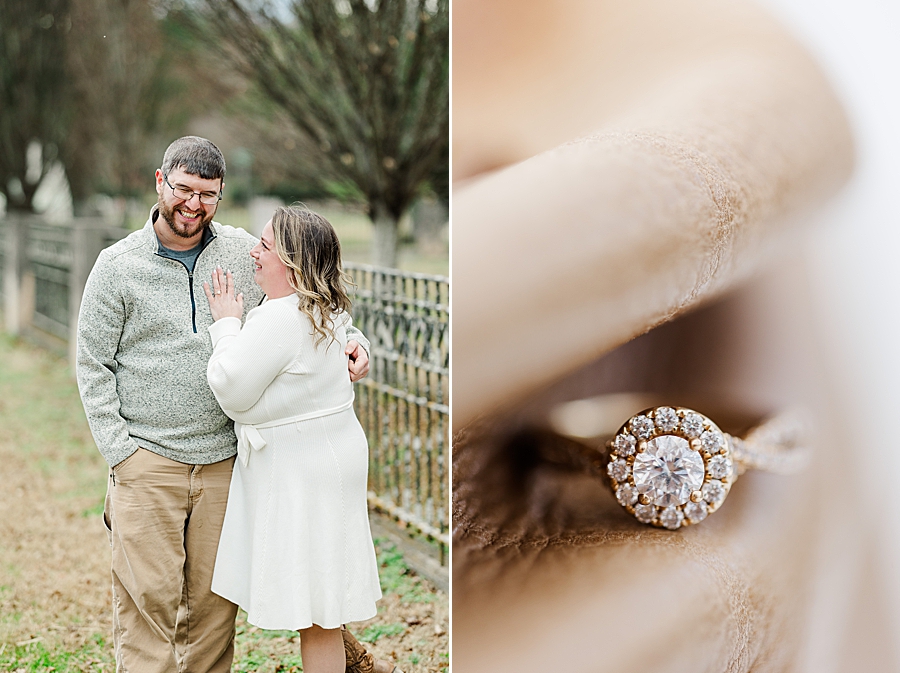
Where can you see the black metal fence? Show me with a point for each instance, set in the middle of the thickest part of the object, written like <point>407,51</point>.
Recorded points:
<point>50,256</point>
<point>44,268</point>
<point>403,404</point>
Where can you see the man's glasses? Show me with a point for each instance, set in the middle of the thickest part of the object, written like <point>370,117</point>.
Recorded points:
<point>185,194</point>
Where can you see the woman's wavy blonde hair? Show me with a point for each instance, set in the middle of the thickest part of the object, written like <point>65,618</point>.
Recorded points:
<point>307,244</point>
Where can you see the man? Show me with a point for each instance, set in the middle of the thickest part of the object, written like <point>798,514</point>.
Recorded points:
<point>143,348</point>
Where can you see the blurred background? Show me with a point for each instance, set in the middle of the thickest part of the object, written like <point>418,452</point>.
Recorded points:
<point>94,90</point>
<point>342,105</point>
<point>856,279</point>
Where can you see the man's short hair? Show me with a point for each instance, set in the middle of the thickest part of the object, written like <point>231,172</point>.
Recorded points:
<point>195,156</point>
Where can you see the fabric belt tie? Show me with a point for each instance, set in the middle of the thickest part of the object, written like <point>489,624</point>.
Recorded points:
<point>250,438</point>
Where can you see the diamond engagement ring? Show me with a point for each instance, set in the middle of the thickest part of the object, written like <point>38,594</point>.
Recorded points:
<point>670,466</point>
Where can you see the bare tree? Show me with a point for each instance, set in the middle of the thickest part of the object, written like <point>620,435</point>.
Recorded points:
<point>365,80</point>
<point>34,115</point>
<point>131,94</point>
<point>88,83</point>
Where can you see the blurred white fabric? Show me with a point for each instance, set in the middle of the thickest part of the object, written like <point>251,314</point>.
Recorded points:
<point>854,257</point>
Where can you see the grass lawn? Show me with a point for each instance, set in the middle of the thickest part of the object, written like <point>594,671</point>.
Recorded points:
<point>54,555</point>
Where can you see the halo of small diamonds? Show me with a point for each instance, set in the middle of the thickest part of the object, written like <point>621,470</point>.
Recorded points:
<point>692,425</point>
<point>696,511</point>
<point>670,467</point>
<point>625,445</point>
<point>627,495</point>
<point>666,419</point>
<point>643,427</point>
<point>618,470</point>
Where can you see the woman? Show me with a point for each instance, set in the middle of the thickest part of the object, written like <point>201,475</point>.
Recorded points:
<point>296,551</point>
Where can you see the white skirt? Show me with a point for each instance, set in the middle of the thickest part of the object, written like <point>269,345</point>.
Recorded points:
<point>296,548</point>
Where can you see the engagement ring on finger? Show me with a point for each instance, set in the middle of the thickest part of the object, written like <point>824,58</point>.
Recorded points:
<point>671,466</point>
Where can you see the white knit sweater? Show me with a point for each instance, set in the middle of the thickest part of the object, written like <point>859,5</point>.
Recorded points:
<point>295,548</point>
<point>271,369</point>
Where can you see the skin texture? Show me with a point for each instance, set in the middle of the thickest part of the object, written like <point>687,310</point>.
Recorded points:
<point>271,273</point>
<point>180,225</point>
<point>222,301</point>
<point>322,650</point>
<point>616,164</point>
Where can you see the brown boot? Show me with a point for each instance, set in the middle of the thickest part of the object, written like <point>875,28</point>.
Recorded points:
<point>360,661</point>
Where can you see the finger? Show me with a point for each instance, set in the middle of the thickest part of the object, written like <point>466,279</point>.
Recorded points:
<point>229,283</point>
<point>362,366</point>
<point>359,368</point>
<point>628,218</point>
<point>215,281</point>
<point>209,294</point>
<point>223,283</point>
<point>351,349</point>
<point>240,300</point>
<point>358,363</point>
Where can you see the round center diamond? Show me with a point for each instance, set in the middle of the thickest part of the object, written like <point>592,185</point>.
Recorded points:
<point>668,471</point>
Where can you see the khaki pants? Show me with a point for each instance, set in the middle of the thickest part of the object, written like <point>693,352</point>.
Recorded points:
<point>164,520</point>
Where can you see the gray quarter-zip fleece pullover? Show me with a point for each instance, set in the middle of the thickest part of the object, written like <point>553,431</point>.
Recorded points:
<point>143,347</point>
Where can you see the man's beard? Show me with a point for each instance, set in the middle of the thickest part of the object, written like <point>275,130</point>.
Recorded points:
<point>185,231</point>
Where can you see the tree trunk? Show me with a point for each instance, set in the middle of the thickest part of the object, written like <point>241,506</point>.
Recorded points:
<point>384,240</point>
